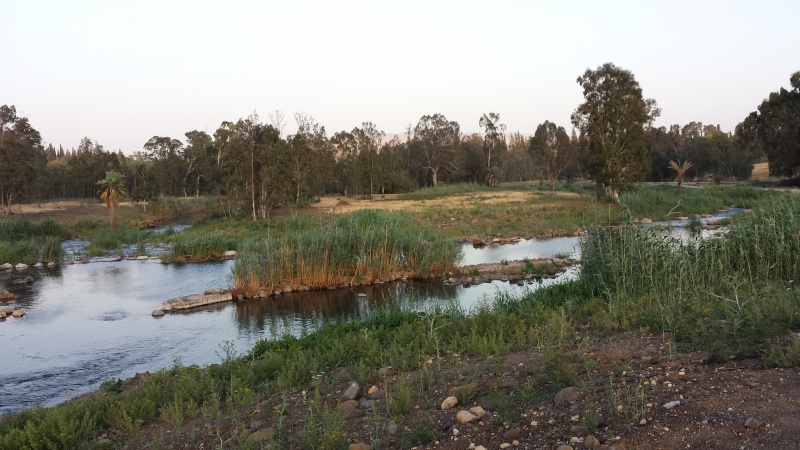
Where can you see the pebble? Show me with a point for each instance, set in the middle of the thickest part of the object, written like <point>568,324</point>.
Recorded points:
<point>18,313</point>
<point>565,447</point>
<point>372,389</point>
<point>512,433</point>
<point>464,416</point>
<point>515,443</point>
<point>478,411</point>
<point>449,402</point>
<point>752,423</point>
<point>347,405</point>
<point>351,392</point>
<point>505,445</point>
<point>672,404</point>
<point>591,442</point>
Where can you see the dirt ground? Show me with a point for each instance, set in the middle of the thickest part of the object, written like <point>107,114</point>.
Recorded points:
<point>620,398</point>
<point>69,211</point>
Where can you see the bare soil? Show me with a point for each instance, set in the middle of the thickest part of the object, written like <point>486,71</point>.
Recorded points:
<point>619,383</point>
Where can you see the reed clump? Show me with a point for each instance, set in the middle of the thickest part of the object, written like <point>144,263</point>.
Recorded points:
<point>355,248</point>
<point>199,247</point>
<point>725,294</point>
<point>23,241</point>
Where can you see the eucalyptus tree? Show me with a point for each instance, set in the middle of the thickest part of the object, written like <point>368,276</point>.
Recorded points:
<point>368,140</point>
<point>552,151</point>
<point>612,122</point>
<point>435,143</point>
<point>494,136</point>
<point>169,165</point>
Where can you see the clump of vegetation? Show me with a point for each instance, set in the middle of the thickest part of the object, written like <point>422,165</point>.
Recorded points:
<point>23,241</point>
<point>355,248</point>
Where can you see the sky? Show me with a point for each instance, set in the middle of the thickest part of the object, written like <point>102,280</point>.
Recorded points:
<point>123,72</point>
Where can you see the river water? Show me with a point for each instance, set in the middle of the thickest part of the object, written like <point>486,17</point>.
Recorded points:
<point>87,323</point>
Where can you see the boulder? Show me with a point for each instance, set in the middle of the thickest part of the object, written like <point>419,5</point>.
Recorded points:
<point>51,264</point>
<point>191,301</point>
<point>6,266</point>
<point>26,280</point>
<point>38,265</point>
<point>21,266</point>
<point>18,313</point>
<point>348,405</point>
<point>5,295</point>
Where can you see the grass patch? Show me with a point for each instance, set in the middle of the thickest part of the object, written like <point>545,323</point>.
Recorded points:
<point>355,248</point>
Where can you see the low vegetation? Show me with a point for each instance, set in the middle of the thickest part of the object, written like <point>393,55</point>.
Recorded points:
<point>23,241</point>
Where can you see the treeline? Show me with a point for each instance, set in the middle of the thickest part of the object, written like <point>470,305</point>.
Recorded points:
<point>252,162</point>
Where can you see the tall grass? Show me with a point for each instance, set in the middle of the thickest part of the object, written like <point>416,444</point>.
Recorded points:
<point>200,247</point>
<point>734,290</point>
<point>355,248</point>
<point>104,238</point>
<point>23,241</point>
<point>655,202</point>
<point>445,190</point>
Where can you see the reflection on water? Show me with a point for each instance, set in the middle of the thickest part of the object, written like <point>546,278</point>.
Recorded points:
<point>525,248</point>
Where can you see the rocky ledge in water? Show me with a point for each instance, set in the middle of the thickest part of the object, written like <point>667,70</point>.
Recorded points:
<point>192,301</point>
<point>511,271</point>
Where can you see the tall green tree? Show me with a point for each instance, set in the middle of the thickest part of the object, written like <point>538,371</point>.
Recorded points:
<point>22,158</point>
<point>552,151</point>
<point>612,122</point>
<point>777,124</point>
<point>435,143</point>
<point>494,140</point>
<point>112,187</point>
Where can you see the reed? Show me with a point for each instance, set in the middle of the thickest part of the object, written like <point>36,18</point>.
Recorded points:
<point>194,247</point>
<point>656,202</point>
<point>14,230</point>
<point>356,248</point>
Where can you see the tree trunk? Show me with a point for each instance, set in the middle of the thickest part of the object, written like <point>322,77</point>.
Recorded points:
<point>112,210</point>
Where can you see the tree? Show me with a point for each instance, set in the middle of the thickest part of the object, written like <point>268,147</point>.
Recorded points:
<point>612,123</point>
<point>112,187</point>
<point>551,150</point>
<point>22,158</point>
<point>777,126</point>
<point>680,169</point>
<point>495,139</point>
<point>435,140</point>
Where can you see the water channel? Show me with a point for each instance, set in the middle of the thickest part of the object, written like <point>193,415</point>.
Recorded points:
<point>86,323</point>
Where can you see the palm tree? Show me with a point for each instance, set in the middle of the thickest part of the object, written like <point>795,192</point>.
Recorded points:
<point>493,176</point>
<point>112,187</point>
<point>680,169</point>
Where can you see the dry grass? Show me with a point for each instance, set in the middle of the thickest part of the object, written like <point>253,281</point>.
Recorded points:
<point>760,172</point>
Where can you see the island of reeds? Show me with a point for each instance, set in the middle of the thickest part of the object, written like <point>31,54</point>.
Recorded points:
<point>357,248</point>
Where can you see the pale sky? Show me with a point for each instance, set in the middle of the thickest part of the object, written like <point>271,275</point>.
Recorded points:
<point>122,72</point>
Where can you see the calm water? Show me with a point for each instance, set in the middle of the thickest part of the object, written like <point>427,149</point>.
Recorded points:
<point>87,323</point>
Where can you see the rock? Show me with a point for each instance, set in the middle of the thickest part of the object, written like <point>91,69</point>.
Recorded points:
<point>464,416</point>
<point>512,433</point>
<point>386,372</point>
<point>359,446</point>
<point>38,264</point>
<point>21,266</point>
<point>478,411</point>
<point>303,288</point>
<point>463,392</point>
<point>378,394</point>
<point>256,424</point>
<point>591,442</point>
<point>391,428</point>
<point>287,288</point>
<point>361,295</point>
<point>564,447</point>
<point>672,404</point>
<point>648,351</point>
<point>263,293</point>
<point>26,280</point>
<point>51,264</point>
<point>263,435</point>
<point>355,413</point>
<point>647,221</point>
<point>214,292</point>
<point>142,258</point>
<point>191,301</point>
<point>18,313</point>
<point>505,445</point>
<point>229,254</point>
<point>752,423</point>
<point>5,295</point>
<point>6,266</point>
<point>157,313</point>
<point>449,402</point>
<point>351,392</point>
<point>347,405</point>
<point>2,315</point>
<point>372,390</point>
<point>566,396</point>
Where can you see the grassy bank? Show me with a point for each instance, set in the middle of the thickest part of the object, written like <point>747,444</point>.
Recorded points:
<point>355,248</point>
<point>23,241</point>
<point>731,296</point>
